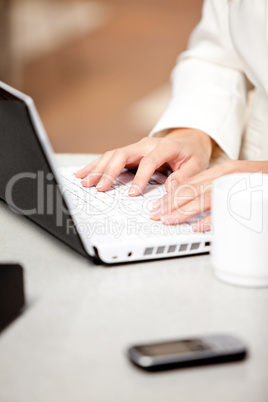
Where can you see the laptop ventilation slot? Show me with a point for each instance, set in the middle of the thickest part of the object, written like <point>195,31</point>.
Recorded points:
<point>194,246</point>
<point>183,247</point>
<point>173,248</point>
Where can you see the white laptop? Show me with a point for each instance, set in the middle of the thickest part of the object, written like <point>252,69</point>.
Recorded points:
<point>109,227</point>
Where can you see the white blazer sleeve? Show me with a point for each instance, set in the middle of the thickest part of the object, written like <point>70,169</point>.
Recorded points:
<point>209,86</point>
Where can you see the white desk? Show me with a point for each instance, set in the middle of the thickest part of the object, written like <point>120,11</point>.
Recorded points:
<point>69,345</point>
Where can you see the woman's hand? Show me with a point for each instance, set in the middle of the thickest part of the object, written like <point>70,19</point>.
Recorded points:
<point>193,197</point>
<point>186,151</point>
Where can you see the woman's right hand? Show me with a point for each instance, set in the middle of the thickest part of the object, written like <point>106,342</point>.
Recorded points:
<point>186,151</point>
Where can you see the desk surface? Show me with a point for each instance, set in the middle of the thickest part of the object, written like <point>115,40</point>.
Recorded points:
<point>70,343</point>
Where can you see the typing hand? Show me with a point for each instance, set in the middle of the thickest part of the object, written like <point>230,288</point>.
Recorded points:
<point>184,150</point>
<point>193,196</point>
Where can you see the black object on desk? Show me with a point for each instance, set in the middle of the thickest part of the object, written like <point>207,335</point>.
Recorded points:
<point>11,293</point>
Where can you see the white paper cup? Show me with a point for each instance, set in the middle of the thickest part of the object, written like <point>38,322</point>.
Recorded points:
<point>240,229</point>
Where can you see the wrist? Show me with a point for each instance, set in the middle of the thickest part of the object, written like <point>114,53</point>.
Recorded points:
<point>204,140</point>
<point>244,166</point>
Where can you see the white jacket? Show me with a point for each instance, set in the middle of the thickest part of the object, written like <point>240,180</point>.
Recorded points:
<point>227,55</point>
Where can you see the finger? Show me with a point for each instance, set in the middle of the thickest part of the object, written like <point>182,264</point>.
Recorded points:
<point>213,173</point>
<point>174,200</point>
<point>127,156</point>
<point>193,208</point>
<point>82,173</point>
<point>201,182</point>
<point>177,198</point>
<point>204,225</point>
<point>95,171</point>
<point>186,171</point>
<point>122,157</point>
<point>91,179</point>
<point>184,194</point>
<point>101,161</point>
<point>195,185</point>
<point>148,165</point>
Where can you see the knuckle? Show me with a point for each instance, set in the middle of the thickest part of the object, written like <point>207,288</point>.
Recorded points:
<point>120,153</point>
<point>103,156</point>
<point>165,141</point>
<point>145,140</point>
<point>117,151</point>
<point>152,141</point>
<point>147,160</point>
<point>109,153</point>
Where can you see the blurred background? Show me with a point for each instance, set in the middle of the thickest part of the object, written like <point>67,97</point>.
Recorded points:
<point>97,70</point>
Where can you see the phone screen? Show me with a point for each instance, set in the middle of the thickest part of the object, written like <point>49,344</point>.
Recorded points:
<point>174,347</point>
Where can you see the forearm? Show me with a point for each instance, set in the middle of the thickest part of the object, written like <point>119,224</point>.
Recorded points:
<point>248,166</point>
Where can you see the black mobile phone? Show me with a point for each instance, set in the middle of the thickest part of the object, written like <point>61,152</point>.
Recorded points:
<point>187,352</point>
<point>12,298</point>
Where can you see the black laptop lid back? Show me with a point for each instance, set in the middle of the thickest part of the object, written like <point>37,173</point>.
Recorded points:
<point>27,183</point>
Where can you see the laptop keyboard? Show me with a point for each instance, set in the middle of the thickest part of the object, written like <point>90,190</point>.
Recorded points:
<point>114,212</point>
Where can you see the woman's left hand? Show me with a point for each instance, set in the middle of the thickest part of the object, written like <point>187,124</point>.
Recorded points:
<point>193,196</point>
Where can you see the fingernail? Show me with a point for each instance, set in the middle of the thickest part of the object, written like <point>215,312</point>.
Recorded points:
<point>100,184</point>
<point>155,212</point>
<point>85,183</point>
<point>87,180</point>
<point>133,191</point>
<point>172,184</point>
<point>156,204</point>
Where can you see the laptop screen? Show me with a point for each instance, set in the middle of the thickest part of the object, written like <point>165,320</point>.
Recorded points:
<point>27,183</point>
